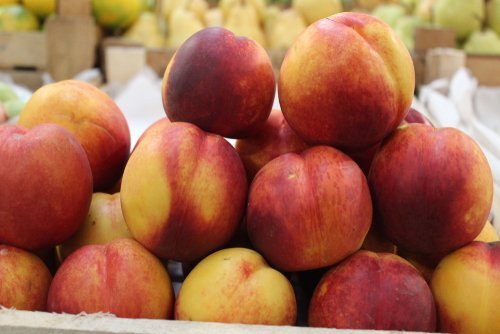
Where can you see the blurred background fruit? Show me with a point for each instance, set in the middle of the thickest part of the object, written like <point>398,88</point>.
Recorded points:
<point>41,8</point>
<point>116,14</point>
<point>17,18</point>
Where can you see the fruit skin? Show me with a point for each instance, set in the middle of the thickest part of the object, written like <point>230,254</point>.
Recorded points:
<point>463,16</point>
<point>24,280</point>
<point>378,291</point>
<point>92,116</point>
<point>466,286</point>
<point>310,210</point>
<point>120,277</point>
<point>493,15</point>
<point>222,83</point>
<point>313,10</point>
<point>46,185</point>
<point>272,139</point>
<point>236,285</point>
<point>104,223</point>
<point>351,103</point>
<point>484,42</point>
<point>17,18</point>
<point>415,116</point>
<point>432,189</point>
<point>183,191</point>
<point>426,263</point>
<point>41,8</point>
<point>116,14</point>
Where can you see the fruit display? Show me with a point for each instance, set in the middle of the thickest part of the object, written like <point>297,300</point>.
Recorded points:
<point>319,197</point>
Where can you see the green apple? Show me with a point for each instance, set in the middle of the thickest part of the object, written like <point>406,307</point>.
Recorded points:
<point>463,16</point>
<point>493,15</point>
<point>389,13</point>
<point>483,42</point>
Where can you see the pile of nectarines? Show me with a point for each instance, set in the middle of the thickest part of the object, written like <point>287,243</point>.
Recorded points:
<point>346,207</point>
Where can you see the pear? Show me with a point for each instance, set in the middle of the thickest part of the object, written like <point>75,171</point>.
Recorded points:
<point>313,10</point>
<point>484,42</point>
<point>389,13</point>
<point>213,17</point>
<point>405,29</point>
<point>287,26</point>
<point>199,7</point>
<point>270,17</point>
<point>243,21</point>
<point>226,6</point>
<point>463,16</point>
<point>183,23</point>
<point>146,30</point>
<point>369,5</point>
<point>423,9</point>
<point>260,7</point>
<point>493,15</point>
<point>168,7</point>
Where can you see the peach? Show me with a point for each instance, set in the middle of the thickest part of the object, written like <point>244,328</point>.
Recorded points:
<point>347,81</point>
<point>120,277</point>
<point>378,291</point>
<point>236,285</point>
<point>46,185</point>
<point>183,191</point>
<point>466,286</point>
<point>24,280</point>
<point>220,82</point>
<point>432,188</point>
<point>310,210</point>
<point>271,140</point>
<point>92,116</point>
<point>103,224</point>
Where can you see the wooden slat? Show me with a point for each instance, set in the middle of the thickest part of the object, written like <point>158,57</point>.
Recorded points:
<point>23,322</point>
<point>23,49</point>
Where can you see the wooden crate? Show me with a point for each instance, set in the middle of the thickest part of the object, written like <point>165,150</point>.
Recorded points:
<point>485,68</point>
<point>17,322</point>
<point>63,49</point>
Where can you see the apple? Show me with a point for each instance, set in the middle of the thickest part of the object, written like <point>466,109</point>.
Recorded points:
<point>24,280</point>
<point>272,139</point>
<point>432,189</point>
<point>46,185</point>
<point>415,116</point>
<point>463,16</point>
<point>376,291</point>
<point>120,277</point>
<point>236,285</point>
<point>222,83</point>
<point>347,81</point>
<point>466,286</point>
<point>103,224</point>
<point>493,15</point>
<point>92,116</point>
<point>310,210</point>
<point>183,191</point>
